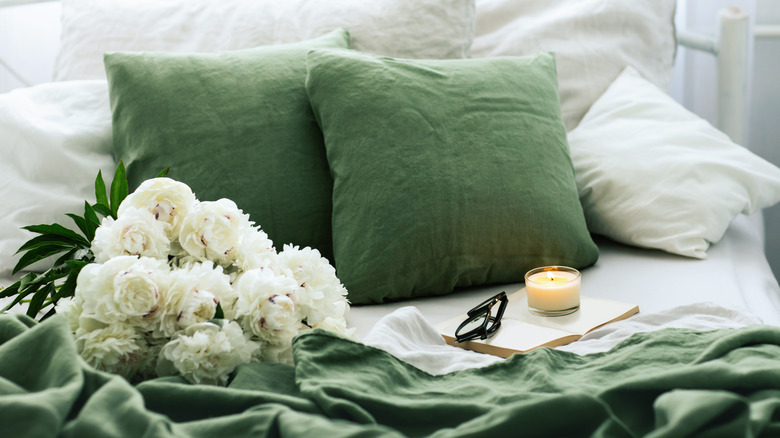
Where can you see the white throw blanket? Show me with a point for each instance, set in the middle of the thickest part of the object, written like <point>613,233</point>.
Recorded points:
<point>406,334</point>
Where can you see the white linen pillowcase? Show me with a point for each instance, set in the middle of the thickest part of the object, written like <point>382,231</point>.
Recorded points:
<point>593,41</point>
<point>398,28</point>
<point>56,137</point>
<point>652,174</point>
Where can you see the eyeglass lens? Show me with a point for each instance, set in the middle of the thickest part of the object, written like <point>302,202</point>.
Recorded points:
<point>482,321</point>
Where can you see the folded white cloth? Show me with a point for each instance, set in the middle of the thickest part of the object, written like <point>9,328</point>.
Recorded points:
<point>697,316</point>
<point>406,334</point>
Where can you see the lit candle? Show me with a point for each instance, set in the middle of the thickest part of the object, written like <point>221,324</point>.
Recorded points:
<point>553,290</point>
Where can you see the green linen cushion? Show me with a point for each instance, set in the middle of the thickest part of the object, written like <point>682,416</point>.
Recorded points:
<point>447,173</point>
<point>234,124</point>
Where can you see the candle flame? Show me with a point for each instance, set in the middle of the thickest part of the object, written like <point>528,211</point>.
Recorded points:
<point>550,276</point>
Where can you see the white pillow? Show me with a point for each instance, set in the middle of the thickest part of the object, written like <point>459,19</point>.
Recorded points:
<point>652,174</point>
<point>55,139</point>
<point>593,41</point>
<point>400,28</point>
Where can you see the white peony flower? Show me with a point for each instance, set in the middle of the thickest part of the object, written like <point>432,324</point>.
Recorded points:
<point>212,231</point>
<point>147,363</point>
<point>135,232</point>
<point>168,201</point>
<point>87,323</point>
<point>123,289</point>
<point>115,348</point>
<point>266,304</point>
<point>322,295</point>
<point>71,308</point>
<point>200,307</point>
<point>206,352</point>
<point>220,232</point>
<point>193,295</point>
<point>135,315</point>
<point>336,325</point>
<point>183,260</point>
<point>255,250</point>
<point>215,281</point>
<point>276,352</point>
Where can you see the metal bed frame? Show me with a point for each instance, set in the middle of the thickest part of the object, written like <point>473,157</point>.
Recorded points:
<point>730,46</point>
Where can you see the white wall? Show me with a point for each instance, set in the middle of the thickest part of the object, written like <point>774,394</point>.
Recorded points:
<point>29,39</point>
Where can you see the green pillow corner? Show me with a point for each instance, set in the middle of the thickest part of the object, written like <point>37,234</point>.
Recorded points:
<point>447,173</point>
<point>234,124</point>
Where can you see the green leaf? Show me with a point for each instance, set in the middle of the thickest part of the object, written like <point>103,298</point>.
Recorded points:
<point>51,312</point>
<point>72,248</point>
<point>90,215</point>
<point>26,279</point>
<point>46,240</point>
<point>49,276</point>
<point>31,283</point>
<point>164,172</point>
<point>67,256</point>
<point>81,223</point>
<point>219,313</point>
<point>37,254</point>
<point>22,294</point>
<point>67,289</point>
<point>58,230</point>
<point>101,198</point>
<point>9,290</point>
<point>102,209</point>
<point>36,304</point>
<point>91,221</point>
<point>119,189</point>
<point>76,265</point>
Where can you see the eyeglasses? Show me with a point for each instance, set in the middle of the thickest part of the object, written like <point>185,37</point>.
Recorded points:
<point>480,322</point>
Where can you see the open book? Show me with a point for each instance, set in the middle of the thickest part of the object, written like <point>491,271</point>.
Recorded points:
<point>522,331</point>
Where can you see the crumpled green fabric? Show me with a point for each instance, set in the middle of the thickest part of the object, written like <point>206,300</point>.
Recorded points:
<point>669,383</point>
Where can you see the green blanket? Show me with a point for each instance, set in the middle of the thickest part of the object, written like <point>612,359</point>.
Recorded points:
<point>669,383</point>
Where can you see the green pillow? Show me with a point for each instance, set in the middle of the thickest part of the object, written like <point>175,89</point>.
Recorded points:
<point>235,125</point>
<point>447,173</point>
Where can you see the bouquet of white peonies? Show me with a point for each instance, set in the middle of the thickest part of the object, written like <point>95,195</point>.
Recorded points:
<point>193,288</point>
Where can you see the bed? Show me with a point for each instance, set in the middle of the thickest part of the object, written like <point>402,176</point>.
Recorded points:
<point>419,211</point>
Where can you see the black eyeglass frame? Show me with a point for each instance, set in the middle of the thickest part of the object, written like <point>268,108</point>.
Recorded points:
<point>490,325</point>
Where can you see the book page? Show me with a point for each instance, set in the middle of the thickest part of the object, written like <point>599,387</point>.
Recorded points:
<point>514,336</point>
<point>593,313</point>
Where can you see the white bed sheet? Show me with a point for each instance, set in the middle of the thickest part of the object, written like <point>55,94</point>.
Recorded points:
<point>735,275</point>
<point>407,335</point>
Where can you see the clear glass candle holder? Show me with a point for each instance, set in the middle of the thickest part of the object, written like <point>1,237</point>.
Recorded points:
<point>553,290</point>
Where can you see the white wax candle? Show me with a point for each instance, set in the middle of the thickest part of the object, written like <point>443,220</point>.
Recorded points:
<point>553,290</point>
